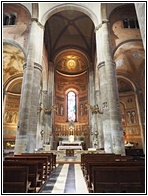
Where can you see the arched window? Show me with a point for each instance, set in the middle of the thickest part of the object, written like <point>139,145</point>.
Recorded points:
<point>71,106</point>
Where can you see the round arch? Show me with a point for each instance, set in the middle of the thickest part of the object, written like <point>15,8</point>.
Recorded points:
<point>134,85</point>
<point>17,45</point>
<point>70,6</point>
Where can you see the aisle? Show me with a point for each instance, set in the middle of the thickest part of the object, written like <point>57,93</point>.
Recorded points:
<point>66,178</point>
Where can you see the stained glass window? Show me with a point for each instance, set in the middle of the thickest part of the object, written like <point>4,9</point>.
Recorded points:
<point>71,109</point>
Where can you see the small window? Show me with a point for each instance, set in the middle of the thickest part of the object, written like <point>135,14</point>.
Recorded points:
<point>125,23</point>
<point>9,19</point>
<point>130,23</point>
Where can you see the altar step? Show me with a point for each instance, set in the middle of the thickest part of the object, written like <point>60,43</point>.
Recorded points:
<point>66,178</point>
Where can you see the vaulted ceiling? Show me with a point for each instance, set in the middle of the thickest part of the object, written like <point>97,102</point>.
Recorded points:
<point>69,30</point>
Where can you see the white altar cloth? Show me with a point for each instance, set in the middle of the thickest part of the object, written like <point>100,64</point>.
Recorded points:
<point>69,147</point>
<point>71,143</point>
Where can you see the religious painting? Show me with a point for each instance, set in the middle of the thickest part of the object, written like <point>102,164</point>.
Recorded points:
<point>61,110</point>
<point>132,131</point>
<point>123,119</point>
<point>81,109</point>
<point>58,108</point>
<point>131,117</point>
<point>10,117</point>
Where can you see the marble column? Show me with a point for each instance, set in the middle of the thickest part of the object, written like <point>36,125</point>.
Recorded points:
<point>112,90</point>
<point>140,10</point>
<point>27,123</point>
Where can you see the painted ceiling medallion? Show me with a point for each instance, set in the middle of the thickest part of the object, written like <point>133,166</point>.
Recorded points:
<point>71,64</point>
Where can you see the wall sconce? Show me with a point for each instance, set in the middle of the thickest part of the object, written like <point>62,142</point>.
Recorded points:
<point>95,109</point>
<point>49,110</point>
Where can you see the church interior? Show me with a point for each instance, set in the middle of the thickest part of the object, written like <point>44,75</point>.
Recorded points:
<point>74,95</point>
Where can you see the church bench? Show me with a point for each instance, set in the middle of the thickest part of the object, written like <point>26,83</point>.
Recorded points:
<point>33,171</point>
<point>99,157</point>
<point>15,179</point>
<point>85,156</point>
<point>118,179</point>
<point>134,152</point>
<point>46,169</point>
<point>40,163</point>
<point>117,162</point>
<point>51,160</point>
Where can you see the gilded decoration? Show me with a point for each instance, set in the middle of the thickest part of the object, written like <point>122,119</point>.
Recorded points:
<point>71,62</point>
<point>71,66</point>
<point>13,60</point>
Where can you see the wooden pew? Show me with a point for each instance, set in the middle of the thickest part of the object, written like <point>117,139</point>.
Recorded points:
<point>51,159</point>
<point>15,179</point>
<point>85,156</point>
<point>37,158</point>
<point>122,162</point>
<point>39,161</point>
<point>98,157</point>
<point>48,155</point>
<point>33,171</point>
<point>118,179</point>
<point>134,152</point>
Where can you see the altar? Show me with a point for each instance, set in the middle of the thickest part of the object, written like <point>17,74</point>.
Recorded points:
<point>75,145</point>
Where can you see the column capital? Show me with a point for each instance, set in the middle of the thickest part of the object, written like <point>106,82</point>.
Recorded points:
<point>38,23</point>
<point>105,21</point>
<point>101,64</point>
<point>37,66</point>
<point>98,27</point>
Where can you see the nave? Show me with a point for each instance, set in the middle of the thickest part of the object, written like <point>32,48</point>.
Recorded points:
<point>66,178</point>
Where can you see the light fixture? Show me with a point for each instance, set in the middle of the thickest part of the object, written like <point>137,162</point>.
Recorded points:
<point>49,110</point>
<point>95,109</point>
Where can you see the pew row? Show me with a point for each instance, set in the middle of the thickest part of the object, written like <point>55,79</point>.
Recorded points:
<point>15,179</point>
<point>118,179</point>
<point>41,161</point>
<point>33,174</point>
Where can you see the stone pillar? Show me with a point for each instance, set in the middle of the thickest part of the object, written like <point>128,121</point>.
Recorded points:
<point>104,134</point>
<point>48,102</point>
<point>27,124</point>
<point>140,10</point>
<point>100,137</point>
<point>33,115</point>
<point>105,108</point>
<point>92,102</point>
<point>112,89</point>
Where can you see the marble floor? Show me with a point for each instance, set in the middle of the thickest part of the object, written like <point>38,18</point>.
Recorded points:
<point>66,178</point>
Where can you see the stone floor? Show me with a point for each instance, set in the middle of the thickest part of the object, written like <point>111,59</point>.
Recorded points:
<point>66,178</point>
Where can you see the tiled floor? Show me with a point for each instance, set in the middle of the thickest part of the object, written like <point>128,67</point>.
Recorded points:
<point>66,178</point>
